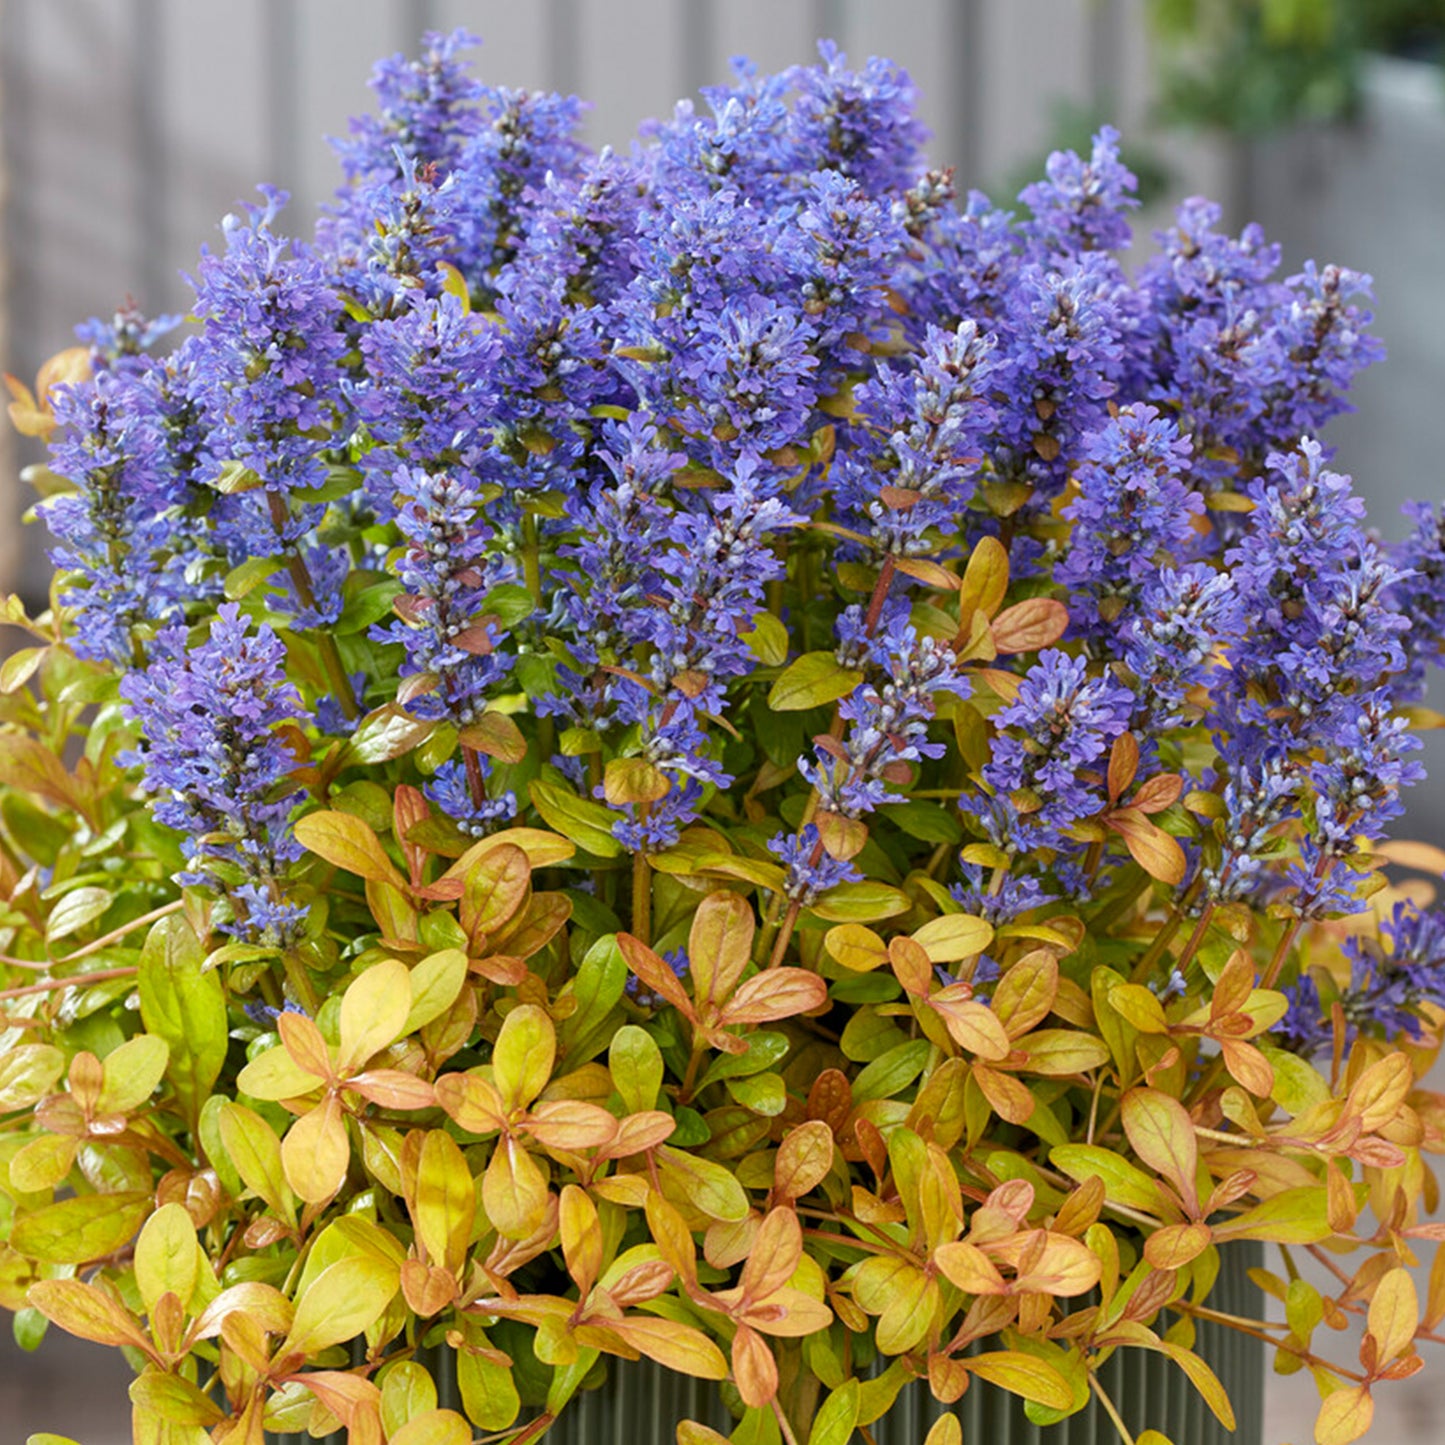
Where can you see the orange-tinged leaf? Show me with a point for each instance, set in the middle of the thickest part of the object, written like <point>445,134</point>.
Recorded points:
<point>571,1125</point>
<point>345,841</point>
<point>1248,1067</point>
<point>968,1268</point>
<point>973,1025</point>
<point>494,889</point>
<point>581,1234</point>
<point>755,1371</point>
<point>1159,792</point>
<point>634,780</point>
<point>1202,1378</point>
<point>1344,1416</point>
<point>374,1011</point>
<point>1377,1094</point>
<point>1154,850</point>
<point>1394,1314</point>
<point>543,849</point>
<point>690,1432</point>
<point>774,1256</point>
<point>1025,994</point>
<point>674,1346</point>
<point>672,1237</point>
<point>393,1089</point>
<point>1161,1133</point>
<point>495,734</point>
<point>640,1132</point>
<point>1010,1098</point>
<point>523,1056</point>
<point>778,993</point>
<point>659,978</point>
<point>87,1311</point>
<point>1024,1375</point>
<point>514,1193</point>
<point>472,1101</point>
<point>1123,764</point>
<point>803,1160</point>
<point>263,1304</point>
<point>1176,1244</point>
<point>315,1152</point>
<point>911,965</point>
<point>788,1312</point>
<point>1029,625</point>
<point>303,1041</point>
<point>719,946</point>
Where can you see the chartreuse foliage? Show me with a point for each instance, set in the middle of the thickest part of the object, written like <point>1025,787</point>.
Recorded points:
<point>711,758</point>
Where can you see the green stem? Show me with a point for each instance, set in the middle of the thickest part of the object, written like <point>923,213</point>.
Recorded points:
<point>642,898</point>
<point>1109,1410</point>
<point>300,981</point>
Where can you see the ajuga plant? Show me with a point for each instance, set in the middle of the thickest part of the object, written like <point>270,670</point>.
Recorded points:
<point>713,755</point>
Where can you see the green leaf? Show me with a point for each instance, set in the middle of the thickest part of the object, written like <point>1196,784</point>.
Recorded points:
<point>764,1094</point>
<point>255,1152</point>
<point>523,1055</point>
<point>863,902</point>
<point>341,1302</point>
<point>186,1007</point>
<point>926,821</point>
<point>27,1074</point>
<point>635,1064</point>
<point>1124,1183</point>
<point>767,640</point>
<point>587,824</point>
<point>370,604</point>
<point>598,988</point>
<point>243,580</point>
<point>74,910</point>
<point>1293,1216</point>
<point>130,1074</point>
<point>764,1050</point>
<point>75,1231</point>
<point>509,603</point>
<point>891,1072</point>
<point>435,984</point>
<point>235,477</point>
<point>166,1257</point>
<point>811,680</point>
<point>389,732</point>
<point>837,1417</point>
<point>706,1186</point>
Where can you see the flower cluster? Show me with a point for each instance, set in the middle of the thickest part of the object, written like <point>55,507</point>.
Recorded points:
<point>894,705</point>
<point>213,721</point>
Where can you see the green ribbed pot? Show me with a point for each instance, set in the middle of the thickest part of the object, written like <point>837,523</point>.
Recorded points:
<point>641,1403</point>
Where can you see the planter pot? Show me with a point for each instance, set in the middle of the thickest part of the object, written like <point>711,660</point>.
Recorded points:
<point>641,1403</point>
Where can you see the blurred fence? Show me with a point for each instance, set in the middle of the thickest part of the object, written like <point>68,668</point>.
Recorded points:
<point>132,126</point>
